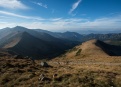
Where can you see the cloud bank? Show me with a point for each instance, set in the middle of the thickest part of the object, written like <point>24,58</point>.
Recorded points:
<point>9,19</point>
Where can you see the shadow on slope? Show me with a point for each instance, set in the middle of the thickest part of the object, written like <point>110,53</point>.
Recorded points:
<point>111,50</point>
<point>22,43</point>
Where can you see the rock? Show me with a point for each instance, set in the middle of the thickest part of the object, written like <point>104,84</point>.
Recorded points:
<point>42,77</point>
<point>18,57</point>
<point>26,57</point>
<point>44,64</point>
<point>55,75</point>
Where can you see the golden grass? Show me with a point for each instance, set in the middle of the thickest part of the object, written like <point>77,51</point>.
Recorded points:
<point>80,72</point>
<point>83,66</point>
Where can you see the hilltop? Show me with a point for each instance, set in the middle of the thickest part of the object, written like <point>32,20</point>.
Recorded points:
<point>93,48</point>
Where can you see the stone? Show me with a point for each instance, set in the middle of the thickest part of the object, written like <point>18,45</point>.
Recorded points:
<point>44,64</point>
<point>18,57</point>
<point>43,78</point>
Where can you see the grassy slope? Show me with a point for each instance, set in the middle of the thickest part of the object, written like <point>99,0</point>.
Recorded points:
<point>114,42</point>
<point>80,72</point>
<point>73,69</point>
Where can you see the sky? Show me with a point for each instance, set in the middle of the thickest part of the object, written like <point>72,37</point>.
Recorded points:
<point>61,15</point>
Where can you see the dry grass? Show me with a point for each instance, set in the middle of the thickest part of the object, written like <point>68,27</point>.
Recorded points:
<point>82,66</point>
<point>80,72</point>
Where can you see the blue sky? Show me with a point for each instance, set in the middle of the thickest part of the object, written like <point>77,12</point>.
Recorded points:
<point>61,15</point>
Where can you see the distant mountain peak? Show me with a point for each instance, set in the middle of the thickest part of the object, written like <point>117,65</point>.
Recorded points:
<point>19,27</point>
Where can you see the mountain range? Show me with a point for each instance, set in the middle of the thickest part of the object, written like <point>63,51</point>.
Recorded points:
<point>74,36</point>
<point>27,42</point>
<point>38,43</point>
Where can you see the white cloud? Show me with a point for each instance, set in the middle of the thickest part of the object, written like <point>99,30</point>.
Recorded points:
<point>74,6</point>
<point>20,16</point>
<point>41,4</point>
<point>69,24</point>
<point>12,4</point>
<point>55,19</point>
<point>75,24</point>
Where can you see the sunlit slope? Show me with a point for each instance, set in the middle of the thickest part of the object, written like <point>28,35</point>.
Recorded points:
<point>93,48</point>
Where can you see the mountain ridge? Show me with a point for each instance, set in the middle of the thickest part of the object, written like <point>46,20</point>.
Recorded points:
<point>25,44</point>
<point>93,48</point>
<point>72,36</point>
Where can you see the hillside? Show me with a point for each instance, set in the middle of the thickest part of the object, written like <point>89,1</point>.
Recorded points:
<point>73,36</point>
<point>27,42</point>
<point>86,65</point>
<point>73,72</point>
<point>44,36</point>
<point>22,43</point>
<point>93,48</point>
<point>103,37</point>
<point>114,42</point>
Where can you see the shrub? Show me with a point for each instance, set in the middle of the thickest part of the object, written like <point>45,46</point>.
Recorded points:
<point>78,52</point>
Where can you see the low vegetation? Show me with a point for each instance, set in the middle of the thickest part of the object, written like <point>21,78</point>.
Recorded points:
<point>86,65</point>
<point>87,72</point>
<point>78,52</point>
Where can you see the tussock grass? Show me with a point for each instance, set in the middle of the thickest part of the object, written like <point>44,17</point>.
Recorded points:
<point>80,71</point>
